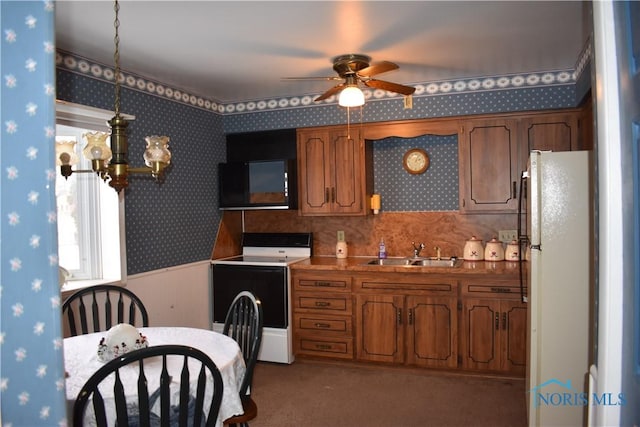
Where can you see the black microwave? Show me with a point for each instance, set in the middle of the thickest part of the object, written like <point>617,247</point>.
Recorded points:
<point>258,184</point>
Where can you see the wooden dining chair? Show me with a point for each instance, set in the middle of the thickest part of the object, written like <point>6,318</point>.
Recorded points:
<point>98,308</point>
<point>189,410</point>
<point>243,323</point>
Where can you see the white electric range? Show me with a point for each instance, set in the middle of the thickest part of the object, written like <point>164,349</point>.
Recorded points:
<point>263,269</point>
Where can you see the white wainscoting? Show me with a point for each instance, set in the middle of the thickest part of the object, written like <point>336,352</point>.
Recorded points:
<point>175,296</point>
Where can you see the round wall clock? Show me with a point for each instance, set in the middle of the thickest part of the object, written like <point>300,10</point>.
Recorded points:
<point>416,161</point>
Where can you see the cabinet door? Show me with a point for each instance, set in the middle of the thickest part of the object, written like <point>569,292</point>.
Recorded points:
<point>314,176</point>
<point>549,132</point>
<point>379,327</point>
<point>331,173</point>
<point>514,335</point>
<point>488,161</point>
<point>346,163</point>
<point>432,331</point>
<point>481,345</point>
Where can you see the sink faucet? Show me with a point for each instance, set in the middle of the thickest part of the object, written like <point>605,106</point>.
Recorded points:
<point>437,249</point>
<point>417,249</point>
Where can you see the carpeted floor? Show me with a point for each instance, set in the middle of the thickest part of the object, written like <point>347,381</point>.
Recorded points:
<point>320,394</point>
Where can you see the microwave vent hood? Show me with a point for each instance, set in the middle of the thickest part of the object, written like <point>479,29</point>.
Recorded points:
<point>260,184</point>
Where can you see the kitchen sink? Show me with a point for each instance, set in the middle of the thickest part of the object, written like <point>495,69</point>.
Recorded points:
<point>390,261</point>
<point>434,262</point>
<point>417,262</point>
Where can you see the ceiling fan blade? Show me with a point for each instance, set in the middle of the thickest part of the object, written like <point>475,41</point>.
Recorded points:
<point>378,68</point>
<point>330,92</point>
<point>312,78</point>
<point>391,87</point>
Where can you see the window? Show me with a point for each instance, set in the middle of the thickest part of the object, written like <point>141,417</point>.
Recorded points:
<point>90,213</point>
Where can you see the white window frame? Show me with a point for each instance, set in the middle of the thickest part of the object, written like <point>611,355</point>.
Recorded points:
<point>111,268</point>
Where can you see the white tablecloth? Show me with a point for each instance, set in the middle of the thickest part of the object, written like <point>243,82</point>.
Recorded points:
<point>81,361</point>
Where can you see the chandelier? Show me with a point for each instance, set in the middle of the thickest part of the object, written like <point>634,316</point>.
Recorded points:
<point>111,163</point>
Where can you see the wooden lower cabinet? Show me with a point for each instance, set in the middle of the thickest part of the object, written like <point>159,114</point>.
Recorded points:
<point>408,319</point>
<point>411,323</point>
<point>322,315</point>
<point>494,329</point>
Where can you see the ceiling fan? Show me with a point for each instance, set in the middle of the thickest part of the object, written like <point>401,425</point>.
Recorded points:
<point>355,69</point>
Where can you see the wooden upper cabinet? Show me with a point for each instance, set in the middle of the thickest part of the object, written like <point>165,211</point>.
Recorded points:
<point>488,164</point>
<point>548,132</point>
<point>334,172</point>
<point>493,153</point>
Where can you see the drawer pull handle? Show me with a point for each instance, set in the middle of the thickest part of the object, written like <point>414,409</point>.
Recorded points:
<point>497,320</point>
<point>322,284</point>
<point>323,346</point>
<point>322,325</point>
<point>501,290</point>
<point>323,304</point>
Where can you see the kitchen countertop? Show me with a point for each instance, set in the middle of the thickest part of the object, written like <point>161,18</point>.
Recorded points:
<point>501,269</point>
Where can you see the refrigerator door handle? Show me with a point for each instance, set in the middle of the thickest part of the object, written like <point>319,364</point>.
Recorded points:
<point>522,238</point>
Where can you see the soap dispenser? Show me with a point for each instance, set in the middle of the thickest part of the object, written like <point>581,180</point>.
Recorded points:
<point>341,246</point>
<point>382,249</point>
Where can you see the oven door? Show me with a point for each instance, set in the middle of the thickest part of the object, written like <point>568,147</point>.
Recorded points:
<point>267,283</point>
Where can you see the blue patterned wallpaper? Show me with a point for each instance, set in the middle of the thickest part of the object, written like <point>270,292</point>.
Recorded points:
<point>434,190</point>
<point>158,216</point>
<point>32,373</point>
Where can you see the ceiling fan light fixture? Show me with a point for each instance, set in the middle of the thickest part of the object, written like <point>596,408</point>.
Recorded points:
<point>351,96</point>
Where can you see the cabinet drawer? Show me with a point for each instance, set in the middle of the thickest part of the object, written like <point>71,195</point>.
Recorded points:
<point>321,283</point>
<point>406,285</point>
<point>496,290</point>
<point>322,303</point>
<point>318,323</point>
<point>330,347</point>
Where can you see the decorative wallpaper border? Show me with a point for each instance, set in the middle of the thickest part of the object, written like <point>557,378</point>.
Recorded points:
<point>77,64</point>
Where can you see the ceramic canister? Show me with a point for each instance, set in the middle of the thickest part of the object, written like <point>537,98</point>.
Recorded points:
<point>473,250</point>
<point>341,249</point>
<point>512,253</point>
<point>494,250</point>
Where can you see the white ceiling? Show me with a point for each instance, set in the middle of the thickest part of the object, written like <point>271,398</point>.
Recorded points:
<point>232,51</point>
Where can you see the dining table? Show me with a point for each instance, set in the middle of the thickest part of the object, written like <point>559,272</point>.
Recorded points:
<point>81,361</point>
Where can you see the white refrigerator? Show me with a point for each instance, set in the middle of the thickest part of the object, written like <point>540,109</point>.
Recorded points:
<point>559,286</point>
